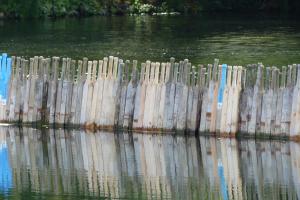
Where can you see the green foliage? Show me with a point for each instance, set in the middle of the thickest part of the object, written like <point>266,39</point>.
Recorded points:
<point>58,8</point>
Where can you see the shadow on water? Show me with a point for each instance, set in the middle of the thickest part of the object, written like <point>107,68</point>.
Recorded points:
<point>232,39</point>
<point>74,164</point>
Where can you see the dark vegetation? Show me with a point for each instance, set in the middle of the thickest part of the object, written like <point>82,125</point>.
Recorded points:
<point>60,8</point>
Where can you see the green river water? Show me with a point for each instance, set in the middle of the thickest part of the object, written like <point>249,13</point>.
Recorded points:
<point>236,40</point>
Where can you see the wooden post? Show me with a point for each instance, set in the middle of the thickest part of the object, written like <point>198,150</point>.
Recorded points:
<point>222,80</point>
<point>140,96</point>
<point>85,95</point>
<point>236,98</point>
<point>295,115</point>
<point>246,100</point>
<point>92,95</point>
<point>149,99</point>
<point>31,87</point>
<point>193,100</point>
<point>51,102</point>
<point>101,81</point>
<point>281,77</point>
<point>64,91</point>
<point>256,102</point>
<point>171,75</point>
<point>118,91</point>
<point>39,90</point>
<point>124,87</point>
<point>130,97</point>
<point>266,105</point>
<point>27,91</point>
<point>181,96</point>
<point>14,91</point>
<point>214,100</point>
<point>287,101</point>
<point>225,103</point>
<point>157,95</point>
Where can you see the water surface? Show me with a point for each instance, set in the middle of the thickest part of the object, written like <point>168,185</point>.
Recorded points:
<point>58,164</point>
<point>234,40</point>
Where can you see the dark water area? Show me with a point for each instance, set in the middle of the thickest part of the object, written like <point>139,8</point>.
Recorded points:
<point>73,164</point>
<point>233,39</point>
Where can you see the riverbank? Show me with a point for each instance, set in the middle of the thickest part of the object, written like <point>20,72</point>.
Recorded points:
<point>57,9</point>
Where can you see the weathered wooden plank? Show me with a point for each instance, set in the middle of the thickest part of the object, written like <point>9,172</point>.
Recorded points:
<point>130,97</point>
<point>157,95</point>
<point>92,94</point>
<point>279,88</point>
<point>51,102</point>
<point>46,89</point>
<point>124,86</point>
<point>214,99</point>
<point>235,105</point>
<point>149,99</point>
<point>39,87</point>
<point>69,93</point>
<point>101,81</point>
<point>202,99</point>
<point>107,104</point>
<point>197,98</point>
<point>75,90</point>
<point>222,85</point>
<point>287,101</point>
<point>256,102</point>
<point>117,90</point>
<point>225,103</point>
<point>231,100</point>
<point>14,91</point>
<point>64,90</point>
<point>171,74</point>
<point>249,81</point>
<point>85,95</point>
<point>32,111</point>
<point>274,87</point>
<point>182,96</point>
<point>206,102</point>
<point>266,105</point>
<point>295,115</point>
<point>140,96</point>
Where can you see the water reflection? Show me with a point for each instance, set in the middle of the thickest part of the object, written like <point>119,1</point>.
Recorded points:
<point>79,165</point>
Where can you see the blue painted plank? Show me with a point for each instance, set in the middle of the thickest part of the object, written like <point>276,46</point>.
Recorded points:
<point>7,78</point>
<point>222,84</point>
<point>5,72</point>
<point>1,78</point>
